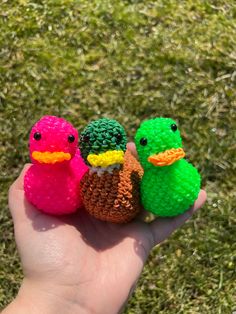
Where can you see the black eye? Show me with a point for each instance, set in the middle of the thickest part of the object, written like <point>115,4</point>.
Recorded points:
<point>143,141</point>
<point>37,136</point>
<point>71,138</point>
<point>85,138</point>
<point>119,137</point>
<point>173,127</point>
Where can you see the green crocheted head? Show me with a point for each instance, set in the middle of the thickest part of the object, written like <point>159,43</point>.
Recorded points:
<point>158,142</point>
<point>103,143</point>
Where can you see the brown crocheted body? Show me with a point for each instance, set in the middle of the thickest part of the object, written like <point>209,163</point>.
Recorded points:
<point>114,197</point>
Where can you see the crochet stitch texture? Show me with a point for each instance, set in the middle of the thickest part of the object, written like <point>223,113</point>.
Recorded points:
<point>101,136</point>
<point>52,183</point>
<point>170,184</point>
<point>111,189</point>
<point>114,197</point>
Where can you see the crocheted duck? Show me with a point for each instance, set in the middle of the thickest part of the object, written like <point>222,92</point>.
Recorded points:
<point>170,184</point>
<point>110,189</point>
<point>52,182</point>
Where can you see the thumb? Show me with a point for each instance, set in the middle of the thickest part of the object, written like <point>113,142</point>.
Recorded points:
<point>19,207</point>
<point>132,148</point>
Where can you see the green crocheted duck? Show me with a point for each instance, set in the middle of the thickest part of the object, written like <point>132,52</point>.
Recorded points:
<point>170,184</point>
<point>111,188</point>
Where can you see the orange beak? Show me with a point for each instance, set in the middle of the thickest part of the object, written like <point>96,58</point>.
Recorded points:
<point>167,157</point>
<point>50,157</point>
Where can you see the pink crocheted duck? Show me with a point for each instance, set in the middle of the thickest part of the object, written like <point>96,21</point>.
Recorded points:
<point>52,182</point>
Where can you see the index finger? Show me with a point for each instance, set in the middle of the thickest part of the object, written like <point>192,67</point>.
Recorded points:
<point>161,228</point>
<point>132,148</point>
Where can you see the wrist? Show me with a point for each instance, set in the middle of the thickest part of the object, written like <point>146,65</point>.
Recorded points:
<point>36,297</point>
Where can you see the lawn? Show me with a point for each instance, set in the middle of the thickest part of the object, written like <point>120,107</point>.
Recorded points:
<point>132,60</point>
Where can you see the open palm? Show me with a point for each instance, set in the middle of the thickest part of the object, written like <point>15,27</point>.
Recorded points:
<point>83,260</point>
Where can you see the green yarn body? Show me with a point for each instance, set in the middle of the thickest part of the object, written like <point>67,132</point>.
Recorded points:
<point>170,190</point>
<point>100,136</point>
<point>165,190</point>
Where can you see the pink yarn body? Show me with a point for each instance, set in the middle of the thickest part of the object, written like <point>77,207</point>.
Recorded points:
<point>54,188</point>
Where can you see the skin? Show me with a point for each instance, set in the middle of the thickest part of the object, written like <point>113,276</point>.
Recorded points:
<point>77,264</point>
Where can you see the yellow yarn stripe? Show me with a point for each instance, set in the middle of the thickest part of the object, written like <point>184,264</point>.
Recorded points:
<point>50,157</point>
<point>106,159</point>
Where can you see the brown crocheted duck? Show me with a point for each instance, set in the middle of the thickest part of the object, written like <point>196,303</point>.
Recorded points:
<point>111,188</point>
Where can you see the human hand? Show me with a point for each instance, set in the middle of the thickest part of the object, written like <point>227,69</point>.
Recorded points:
<point>77,264</point>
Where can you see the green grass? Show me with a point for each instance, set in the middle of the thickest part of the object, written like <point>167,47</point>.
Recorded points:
<point>131,60</point>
